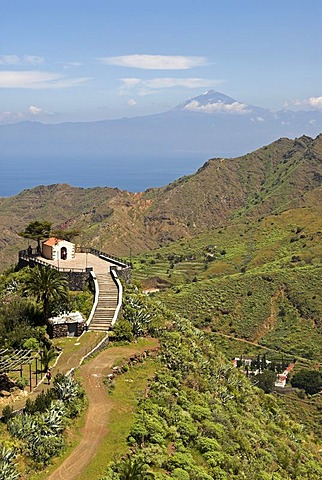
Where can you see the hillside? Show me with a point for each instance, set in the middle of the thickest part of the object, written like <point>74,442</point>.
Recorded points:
<point>201,419</point>
<point>286,174</point>
<point>259,281</point>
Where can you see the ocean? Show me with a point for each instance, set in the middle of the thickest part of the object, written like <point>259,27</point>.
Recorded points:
<point>126,173</point>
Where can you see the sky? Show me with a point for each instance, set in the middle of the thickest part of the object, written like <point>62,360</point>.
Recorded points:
<point>68,60</point>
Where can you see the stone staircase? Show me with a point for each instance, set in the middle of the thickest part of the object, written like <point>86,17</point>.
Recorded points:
<point>107,303</point>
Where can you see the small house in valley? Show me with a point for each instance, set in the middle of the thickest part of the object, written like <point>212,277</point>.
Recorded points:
<point>57,249</point>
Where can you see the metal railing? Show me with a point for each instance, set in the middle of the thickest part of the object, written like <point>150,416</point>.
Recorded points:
<point>120,295</point>
<point>34,254</point>
<point>51,265</point>
<point>29,252</point>
<point>96,287</point>
<point>104,255</point>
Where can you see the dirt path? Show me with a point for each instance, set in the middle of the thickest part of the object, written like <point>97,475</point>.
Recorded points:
<point>270,322</point>
<point>96,422</point>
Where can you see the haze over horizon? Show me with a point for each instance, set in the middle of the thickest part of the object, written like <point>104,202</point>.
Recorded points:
<point>67,61</point>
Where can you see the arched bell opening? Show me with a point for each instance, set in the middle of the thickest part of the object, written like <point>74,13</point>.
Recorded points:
<point>63,253</point>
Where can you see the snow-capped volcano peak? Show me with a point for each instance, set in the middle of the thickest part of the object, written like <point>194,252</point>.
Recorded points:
<point>214,102</point>
<point>211,96</point>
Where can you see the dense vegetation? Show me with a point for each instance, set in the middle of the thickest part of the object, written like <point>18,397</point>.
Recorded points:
<point>308,380</point>
<point>38,433</point>
<point>259,281</point>
<point>27,298</point>
<point>202,419</point>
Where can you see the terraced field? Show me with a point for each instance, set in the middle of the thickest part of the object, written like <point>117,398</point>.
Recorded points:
<point>260,280</point>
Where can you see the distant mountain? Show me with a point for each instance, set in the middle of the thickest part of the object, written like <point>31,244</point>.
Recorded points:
<point>210,97</point>
<point>284,175</point>
<point>141,152</point>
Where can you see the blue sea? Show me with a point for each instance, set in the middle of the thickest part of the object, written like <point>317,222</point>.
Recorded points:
<point>126,173</point>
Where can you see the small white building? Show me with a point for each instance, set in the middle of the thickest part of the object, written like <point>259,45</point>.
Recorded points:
<point>56,249</point>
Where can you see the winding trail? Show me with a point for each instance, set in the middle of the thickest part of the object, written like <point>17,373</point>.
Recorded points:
<point>96,422</point>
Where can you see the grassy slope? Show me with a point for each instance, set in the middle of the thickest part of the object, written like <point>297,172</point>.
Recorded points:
<point>260,281</point>
<point>257,280</point>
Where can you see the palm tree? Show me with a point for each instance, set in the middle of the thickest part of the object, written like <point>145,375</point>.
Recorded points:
<point>47,354</point>
<point>134,470</point>
<point>47,285</point>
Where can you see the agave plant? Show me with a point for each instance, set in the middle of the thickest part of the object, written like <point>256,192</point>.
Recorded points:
<point>8,469</point>
<point>40,433</point>
<point>65,387</point>
<point>136,312</point>
<point>22,426</point>
<point>53,420</point>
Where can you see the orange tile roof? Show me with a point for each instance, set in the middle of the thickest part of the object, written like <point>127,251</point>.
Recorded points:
<point>52,241</point>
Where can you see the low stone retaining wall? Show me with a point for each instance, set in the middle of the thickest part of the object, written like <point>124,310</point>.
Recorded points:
<point>61,330</point>
<point>134,360</point>
<point>77,280</point>
<point>124,273</point>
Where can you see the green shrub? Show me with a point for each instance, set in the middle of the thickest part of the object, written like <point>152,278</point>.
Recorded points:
<point>308,380</point>
<point>123,331</point>
<point>22,382</point>
<point>180,474</point>
<point>7,413</point>
<point>265,380</point>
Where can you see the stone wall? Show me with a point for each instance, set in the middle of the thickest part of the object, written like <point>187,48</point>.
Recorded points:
<point>56,331</point>
<point>80,329</point>
<point>124,273</point>
<point>22,263</point>
<point>77,280</point>
<point>61,330</point>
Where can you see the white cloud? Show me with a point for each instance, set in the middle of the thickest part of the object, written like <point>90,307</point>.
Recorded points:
<point>69,65</point>
<point>10,117</point>
<point>33,111</point>
<point>9,60</point>
<point>37,80</point>
<point>21,60</point>
<point>132,102</point>
<point>130,82</point>
<point>69,82</point>
<point>74,64</point>
<point>155,62</point>
<point>33,59</point>
<point>312,103</point>
<point>146,87</point>
<point>257,119</point>
<point>218,107</point>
